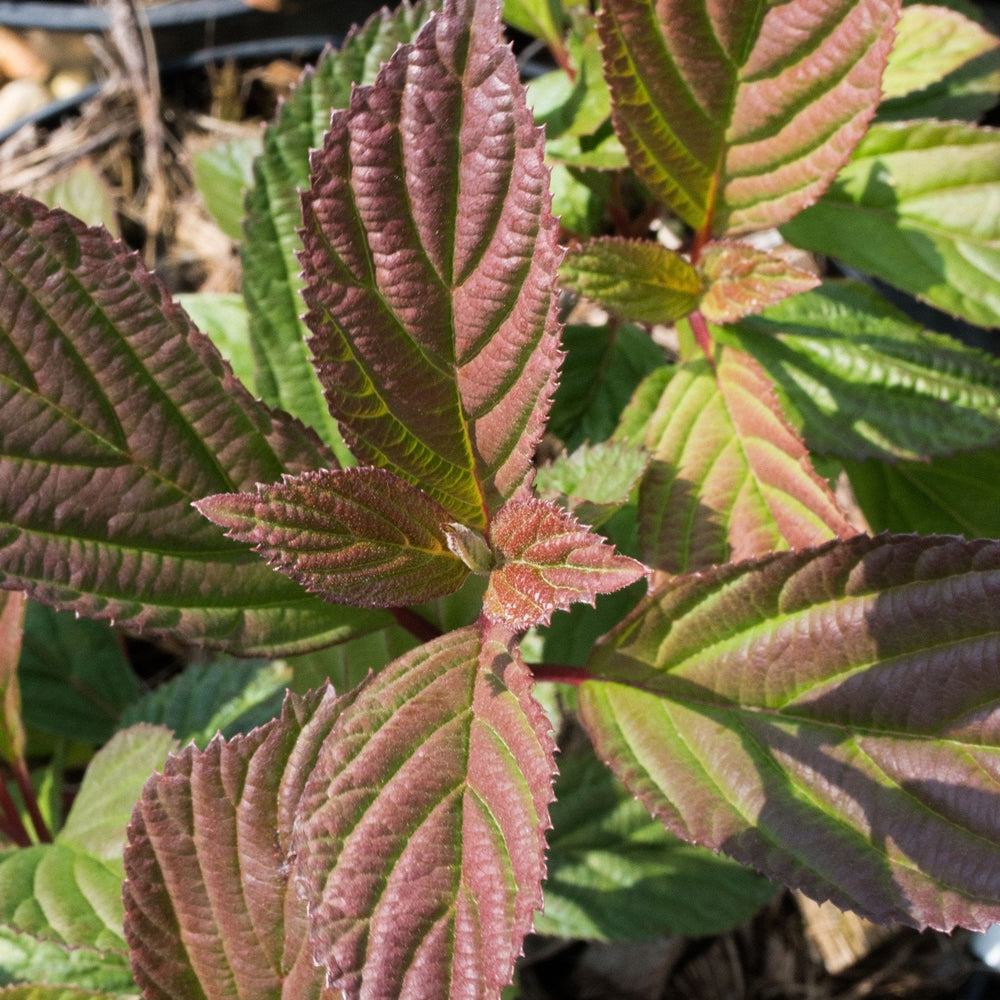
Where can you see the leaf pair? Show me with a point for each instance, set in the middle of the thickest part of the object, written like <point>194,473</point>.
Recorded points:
<point>430,259</point>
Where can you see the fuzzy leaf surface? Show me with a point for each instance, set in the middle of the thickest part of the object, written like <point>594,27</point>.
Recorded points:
<point>918,206</point>
<point>616,874</point>
<point>829,717</point>
<point>209,913</point>
<point>546,561</point>
<point>430,258</point>
<point>284,374</point>
<point>355,536</point>
<point>740,280</point>
<point>421,838</point>
<point>637,280</point>
<point>729,479</point>
<point>115,414</point>
<point>861,380</point>
<point>942,65</point>
<point>739,117</point>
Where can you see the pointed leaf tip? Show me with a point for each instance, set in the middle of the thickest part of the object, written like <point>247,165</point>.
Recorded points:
<point>548,560</point>
<point>354,536</point>
<point>430,258</point>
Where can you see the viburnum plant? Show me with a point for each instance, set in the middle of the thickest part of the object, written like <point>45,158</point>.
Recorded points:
<point>768,679</point>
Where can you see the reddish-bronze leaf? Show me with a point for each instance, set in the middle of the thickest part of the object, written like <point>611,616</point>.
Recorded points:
<point>420,843</point>
<point>729,479</point>
<point>353,536</point>
<point>831,717</point>
<point>546,561</point>
<point>738,115</point>
<point>430,259</point>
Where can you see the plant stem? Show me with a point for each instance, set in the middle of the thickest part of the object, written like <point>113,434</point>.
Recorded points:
<point>560,673</point>
<point>27,790</point>
<point>415,624</point>
<point>10,821</point>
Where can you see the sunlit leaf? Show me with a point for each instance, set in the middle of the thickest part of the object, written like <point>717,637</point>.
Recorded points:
<point>738,116</point>
<point>421,837</point>
<point>356,536</point>
<point>284,373</point>
<point>209,911</point>
<point>637,280</point>
<point>729,478</point>
<point>615,873</point>
<point>918,206</point>
<point>546,561</point>
<point>862,380</point>
<point>740,280</point>
<point>942,65</point>
<point>223,172</point>
<point>829,717</point>
<point>117,414</point>
<point>430,258</point>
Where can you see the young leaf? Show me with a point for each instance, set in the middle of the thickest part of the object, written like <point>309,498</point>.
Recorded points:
<point>861,380</point>
<point>829,717</point>
<point>740,280</point>
<point>729,479</point>
<point>738,116</point>
<point>430,258</point>
<point>546,561</point>
<point>917,207</point>
<point>421,833</point>
<point>640,281</point>
<point>943,65</point>
<point>208,909</point>
<point>117,414</point>
<point>284,374</point>
<point>354,536</point>
<point>616,874</point>
<point>222,174</point>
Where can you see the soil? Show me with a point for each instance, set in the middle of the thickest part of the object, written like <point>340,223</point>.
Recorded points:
<point>141,105</point>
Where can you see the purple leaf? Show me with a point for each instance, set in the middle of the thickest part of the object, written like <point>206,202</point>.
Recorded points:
<point>740,115</point>
<point>354,536</point>
<point>430,258</point>
<point>831,717</point>
<point>115,414</point>
<point>546,561</point>
<point>420,842</point>
<point>208,912</point>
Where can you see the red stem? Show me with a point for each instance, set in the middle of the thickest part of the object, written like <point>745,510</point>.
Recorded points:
<point>415,624</point>
<point>10,821</point>
<point>560,673</point>
<point>27,790</point>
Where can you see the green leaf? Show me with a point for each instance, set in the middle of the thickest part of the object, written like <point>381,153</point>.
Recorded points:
<point>602,368</point>
<point>75,676</point>
<point>33,991</point>
<point>740,280</point>
<point>357,536</point>
<point>861,380</point>
<point>421,832</point>
<point>955,495</point>
<point>111,786</point>
<point>943,65</point>
<point>918,206</point>
<point>541,18</point>
<point>118,414</point>
<point>12,736</point>
<point>615,873</point>
<point>223,173</point>
<point>594,481</point>
<point>739,116</point>
<point>209,910</point>
<point>430,257</point>
<point>729,479</point>
<point>83,192</point>
<point>226,696</point>
<point>637,280</point>
<point>224,319</point>
<point>546,561</point>
<point>285,375</point>
<point>827,716</point>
